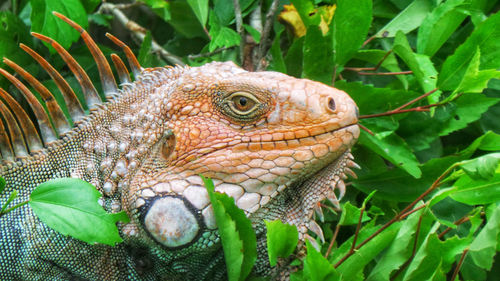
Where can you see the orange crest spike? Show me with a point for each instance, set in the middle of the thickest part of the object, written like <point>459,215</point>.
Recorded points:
<point>31,135</point>
<point>89,91</point>
<point>123,73</point>
<point>16,135</point>
<point>107,79</point>
<point>58,118</point>
<point>72,102</point>
<point>42,117</point>
<point>132,60</point>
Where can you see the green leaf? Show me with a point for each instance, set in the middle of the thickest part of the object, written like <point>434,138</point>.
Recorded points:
<point>477,191</point>
<point>364,255</point>
<point>183,19</point>
<point>409,19</point>
<point>161,8</point>
<point>469,108</point>
<point>316,267</point>
<point>44,22</point>
<point>282,240</point>
<point>318,55</point>
<point>434,257</point>
<point>352,21</point>
<point>486,37</point>
<point>253,32</point>
<point>482,167</point>
<point>200,9</point>
<point>221,35</point>
<point>474,80</point>
<point>490,142</point>
<point>235,229</point>
<point>70,206</point>
<point>293,58</point>
<point>483,248</point>
<point>350,215</point>
<point>401,248</point>
<point>145,56</point>
<point>421,65</point>
<point>439,25</point>
<point>393,148</point>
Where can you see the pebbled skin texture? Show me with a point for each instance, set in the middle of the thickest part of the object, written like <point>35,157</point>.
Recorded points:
<point>144,151</point>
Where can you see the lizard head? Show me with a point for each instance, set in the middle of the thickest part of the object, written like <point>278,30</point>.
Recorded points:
<point>276,144</point>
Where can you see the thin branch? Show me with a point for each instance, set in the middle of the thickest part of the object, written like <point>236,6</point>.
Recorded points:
<point>337,228</point>
<point>386,73</point>
<point>416,99</point>
<point>264,38</point>
<point>397,217</point>
<point>466,218</point>
<point>356,234</point>
<point>240,29</point>
<point>139,32</point>
<point>459,265</point>
<point>357,69</point>
<point>392,112</point>
<point>365,129</point>
<point>208,54</point>
<point>368,40</point>
<point>413,252</point>
<point>403,216</point>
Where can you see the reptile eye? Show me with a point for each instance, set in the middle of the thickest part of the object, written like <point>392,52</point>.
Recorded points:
<point>242,103</point>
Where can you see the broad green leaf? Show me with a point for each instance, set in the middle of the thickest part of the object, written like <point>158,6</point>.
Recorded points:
<point>491,142</point>
<point>364,255</point>
<point>439,25</point>
<point>307,13</point>
<point>477,191</point>
<point>160,7</point>
<point>282,240</point>
<point>434,257</point>
<point>183,19</point>
<point>225,9</point>
<point>482,167</point>
<point>145,56</point>
<point>487,37</point>
<point>409,19</point>
<point>318,56</point>
<point>254,33</point>
<point>397,185</point>
<point>474,80</point>
<point>400,250</point>
<point>200,9</point>
<point>44,22</point>
<point>351,23</point>
<point>277,63</point>
<point>70,206</point>
<point>350,215</point>
<point>393,148</point>
<point>294,58</point>
<point>221,36</point>
<point>317,268</point>
<point>90,5</point>
<point>421,65</point>
<point>483,248</point>
<point>390,63</point>
<point>235,229</point>
<point>469,108</point>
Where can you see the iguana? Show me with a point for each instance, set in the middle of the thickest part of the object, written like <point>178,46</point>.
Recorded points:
<point>276,144</point>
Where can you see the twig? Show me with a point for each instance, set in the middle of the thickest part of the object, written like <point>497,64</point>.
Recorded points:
<point>139,32</point>
<point>264,44</point>
<point>337,228</point>
<point>356,234</point>
<point>403,216</point>
<point>413,252</point>
<point>208,54</point>
<point>459,265</point>
<point>357,69</point>
<point>397,217</point>
<point>368,40</point>
<point>386,73</point>
<point>239,28</point>
<point>366,129</point>
<point>416,99</point>
<point>466,218</point>
<point>392,112</point>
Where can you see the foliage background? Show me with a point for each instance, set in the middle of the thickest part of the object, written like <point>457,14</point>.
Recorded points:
<point>441,56</point>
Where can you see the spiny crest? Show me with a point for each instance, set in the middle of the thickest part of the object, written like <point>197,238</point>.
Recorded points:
<point>19,137</point>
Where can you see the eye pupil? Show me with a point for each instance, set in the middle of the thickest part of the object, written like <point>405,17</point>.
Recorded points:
<point>243,101</point>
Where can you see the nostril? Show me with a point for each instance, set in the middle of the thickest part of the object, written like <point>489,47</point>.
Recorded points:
<point>331,104</point>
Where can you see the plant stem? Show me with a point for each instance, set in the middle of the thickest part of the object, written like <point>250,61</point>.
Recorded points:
<point>459,265</point>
